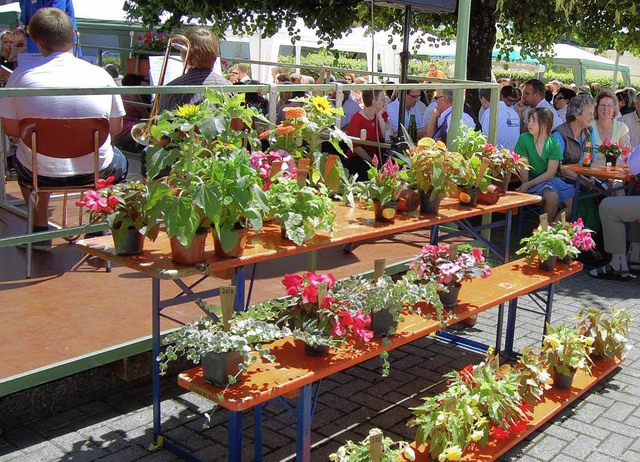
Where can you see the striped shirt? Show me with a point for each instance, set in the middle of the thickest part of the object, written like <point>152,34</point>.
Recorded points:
<point>192,77</point>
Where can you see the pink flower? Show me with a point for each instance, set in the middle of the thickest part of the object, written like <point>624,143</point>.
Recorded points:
<point>477,254</point>
<point>94,201</point>
<point>310,294</point>
<point>516,157</point>
<point>360,324</point>
<point>292,283</point>
<point>486,272</point>
<point>375,161</point>
<point>489,147</point>
<point>606,142</point>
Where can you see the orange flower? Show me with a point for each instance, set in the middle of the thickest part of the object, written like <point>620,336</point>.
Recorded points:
<point>264,134</point>
<point>294,112</point>
<point>284,129</point>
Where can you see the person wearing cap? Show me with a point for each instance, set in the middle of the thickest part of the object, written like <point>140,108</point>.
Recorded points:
<point>508,130</point>
<point>616,212</point>
<point>632,121</point>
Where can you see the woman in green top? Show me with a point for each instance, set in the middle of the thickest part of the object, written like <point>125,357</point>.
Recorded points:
<point>544,155</point>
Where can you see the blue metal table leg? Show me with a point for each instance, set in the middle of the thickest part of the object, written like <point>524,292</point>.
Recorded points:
<point>499,328</point>
<point>507,236</point>
<point>549,307</point>
<point>257,433</point>
<point>435,230</point>
<point>576,198</point>
<point>303,428</point>
<point>239,281</point>
<point>235,436</point>
<point>155,351</point>
<point>511,326</point>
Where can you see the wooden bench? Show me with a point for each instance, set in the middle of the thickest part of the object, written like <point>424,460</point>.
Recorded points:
<point>553,402</point>
<point>294,371</point>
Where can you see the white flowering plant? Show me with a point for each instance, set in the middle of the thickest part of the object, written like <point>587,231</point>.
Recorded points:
<point>608,331</point>
<point>481,401</point>
<point>391,451</point>
<point>566,349</point>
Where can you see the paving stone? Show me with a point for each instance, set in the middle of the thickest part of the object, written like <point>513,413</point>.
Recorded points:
<point>44,452</point>
<point>548,445</point>
<point>128,454</point>
<point>23,437</point>
<point>581,447</point>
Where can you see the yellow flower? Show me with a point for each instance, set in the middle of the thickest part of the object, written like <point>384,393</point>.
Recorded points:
<point>552,341</point>
<point>452,453</point>
<point>188,110</point>
<point>294,112</point>
<point>321,104</point>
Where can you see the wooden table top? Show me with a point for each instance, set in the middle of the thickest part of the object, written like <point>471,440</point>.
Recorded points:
<point>352,225</point>
<point>610,173</point>
<point>294,369</point>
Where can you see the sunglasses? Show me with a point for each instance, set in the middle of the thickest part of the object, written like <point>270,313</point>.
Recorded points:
<point>558,98</point>
<point>413,96</point>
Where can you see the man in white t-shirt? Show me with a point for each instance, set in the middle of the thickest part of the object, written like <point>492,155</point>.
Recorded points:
<point>52,31</point>
<point>508,130</point>
<point>532,98</point>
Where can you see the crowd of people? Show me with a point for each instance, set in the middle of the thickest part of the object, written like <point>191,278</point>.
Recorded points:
<point>549,124</point>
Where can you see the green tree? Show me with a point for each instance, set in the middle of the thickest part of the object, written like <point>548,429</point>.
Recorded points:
<point>532,24</point>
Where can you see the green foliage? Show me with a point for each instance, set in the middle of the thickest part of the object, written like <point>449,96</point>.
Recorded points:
<point>545,243</point>
<point>391,451</point>
<point>566,349</point>
<point>609,331</point>
<point>301,211</point>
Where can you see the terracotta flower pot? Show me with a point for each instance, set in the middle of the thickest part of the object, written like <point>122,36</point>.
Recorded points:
<point>237,250</point>
<point>190,255</point>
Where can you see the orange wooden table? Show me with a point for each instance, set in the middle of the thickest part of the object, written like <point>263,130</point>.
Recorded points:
<point>621,173</point>
<point>553,402</point>
<point>293,370</point>
<point>352,224</point>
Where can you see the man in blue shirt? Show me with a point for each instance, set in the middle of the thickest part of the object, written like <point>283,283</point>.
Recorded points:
<point>29,8</point>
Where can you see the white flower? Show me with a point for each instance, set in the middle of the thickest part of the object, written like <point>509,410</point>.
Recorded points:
<point>619,338</point>
<point>477,435</point>
<point>409,453</point>
<point>543,377</point>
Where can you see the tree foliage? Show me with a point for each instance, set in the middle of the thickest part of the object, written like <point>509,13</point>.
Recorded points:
<point>532,24</point>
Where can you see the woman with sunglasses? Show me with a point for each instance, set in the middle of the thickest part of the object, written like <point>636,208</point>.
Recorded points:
<point>561,100</point>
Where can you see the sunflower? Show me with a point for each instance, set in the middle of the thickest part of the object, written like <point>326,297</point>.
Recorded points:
<point>321,104</point>
<point>188,111</point>
<point>294,112</point>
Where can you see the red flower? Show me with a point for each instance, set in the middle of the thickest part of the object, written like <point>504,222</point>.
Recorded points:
<point>499,433</point>
<point>105,183</point>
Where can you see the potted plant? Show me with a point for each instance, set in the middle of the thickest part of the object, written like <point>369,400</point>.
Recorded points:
<point>225,354</point>
<point>237,201</point>
<point>387,449</point>
<point>384,188</point>
<point>302,134</point>
<point>548,243</point>
<point>566,350</point>
<point>472,179</point>
<point>449,267</point>
<point>608,331</point>
<point>318,319</point>
<point>431,172</point>
<point>149,43</point>
<point>480,401</point>
<point>612,152</point>
<point>192,145</point>
<point>123,207</point>
<point>580,237</point>
<point>301,211</point>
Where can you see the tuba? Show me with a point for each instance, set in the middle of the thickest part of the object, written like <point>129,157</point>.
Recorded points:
<point>141,132</point>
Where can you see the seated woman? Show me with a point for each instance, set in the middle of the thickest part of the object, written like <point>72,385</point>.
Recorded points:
<point>615,213</point>
<point>134,113</point>
<point>373,119</point>
<point>544,155</point>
